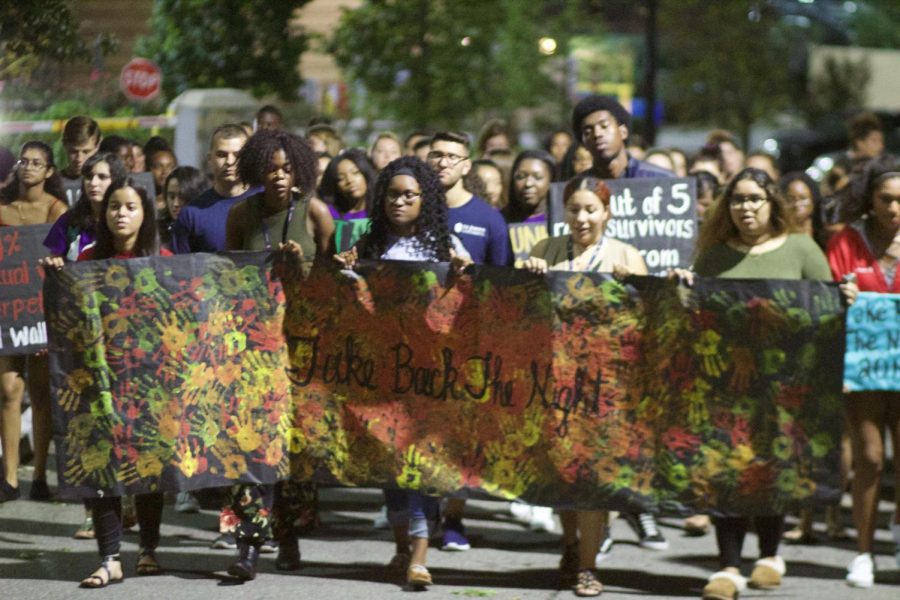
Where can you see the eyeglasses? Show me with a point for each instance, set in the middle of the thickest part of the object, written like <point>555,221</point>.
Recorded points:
<point>437,156</point>
<point>25,163</point>
<point>408,197</point>
<point>801,202</point>
<point>753,202</point>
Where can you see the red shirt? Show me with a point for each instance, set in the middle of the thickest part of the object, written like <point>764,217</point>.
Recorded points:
<point>88,254</point>
<point>849,252</point>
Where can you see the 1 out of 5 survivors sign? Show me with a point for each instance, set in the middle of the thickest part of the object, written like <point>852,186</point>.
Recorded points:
<point>140,80</point>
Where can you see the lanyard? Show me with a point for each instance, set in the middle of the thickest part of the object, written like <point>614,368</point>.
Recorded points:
<point>287,222</point>
<point>596,256</point>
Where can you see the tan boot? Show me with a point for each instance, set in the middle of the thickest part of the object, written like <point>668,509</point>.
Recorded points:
<point>767,573</point>
<point>724,585</point>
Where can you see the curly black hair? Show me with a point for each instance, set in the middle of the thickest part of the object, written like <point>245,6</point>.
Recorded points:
<point>331,193</point>
<point>255,159</point>
<point>432,233</point>
<point>52,185</point>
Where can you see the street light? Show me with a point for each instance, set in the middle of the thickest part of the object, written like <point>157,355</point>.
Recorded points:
<point>547,46</point>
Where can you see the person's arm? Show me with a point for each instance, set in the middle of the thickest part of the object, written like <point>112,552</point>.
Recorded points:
<point>815,265</point>
<point>56,241</point>
<point>536,263</point>
<point>499,250</point>
<point>634,262</point>
<point>838,253</point>
<point>56,211</point>
<point>181,232</point>
<point>234,226</point>
<point>323,227</point>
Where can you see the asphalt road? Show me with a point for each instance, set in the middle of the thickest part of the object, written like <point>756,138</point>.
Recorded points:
<point>346,557</point>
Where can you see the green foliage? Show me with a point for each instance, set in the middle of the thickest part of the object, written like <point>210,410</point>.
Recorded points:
<point>439,62</point>
<point>34,32</point>
<point>876,24</point>
<point>839,88</point>
<point>727,62</point>
<point>245,44</point>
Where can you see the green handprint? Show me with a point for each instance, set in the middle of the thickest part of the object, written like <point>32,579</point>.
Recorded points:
<point>708,348</point>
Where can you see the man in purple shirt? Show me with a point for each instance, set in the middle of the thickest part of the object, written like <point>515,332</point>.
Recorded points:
<point>201,224</point>
<point>603,125</point>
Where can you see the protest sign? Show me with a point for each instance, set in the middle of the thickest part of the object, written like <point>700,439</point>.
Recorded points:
<point>22,327</point>
<point>567,389</point>
<point>523,237</point>
<point>657,216</point>
<point>872,356</point>
<point>167,373</point>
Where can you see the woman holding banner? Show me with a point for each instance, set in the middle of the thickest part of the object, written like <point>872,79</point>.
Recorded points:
<point>409,222</point>
<point>586,200</point>
<point>751,234</point>
<point>284,213</point>
<point>126,228</point>
<point>869,249</point>
<point>34,196</point>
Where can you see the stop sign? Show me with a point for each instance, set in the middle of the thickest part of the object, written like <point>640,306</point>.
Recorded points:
<point>140,80</point>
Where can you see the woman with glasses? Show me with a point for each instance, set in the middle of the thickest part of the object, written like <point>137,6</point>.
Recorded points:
<point>529,189</point>
<point>751,234</point>
<point>802,194</point>
<point>34,196</point>
<point>409,222</point>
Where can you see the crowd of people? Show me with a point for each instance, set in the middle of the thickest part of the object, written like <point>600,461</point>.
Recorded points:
<point>437,197</point>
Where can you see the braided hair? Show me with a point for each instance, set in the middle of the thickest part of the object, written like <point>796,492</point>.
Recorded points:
<point>432,231</point>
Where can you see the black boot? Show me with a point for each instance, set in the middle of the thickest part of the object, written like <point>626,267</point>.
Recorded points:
<point>288,553</point>
<point>248,556</point>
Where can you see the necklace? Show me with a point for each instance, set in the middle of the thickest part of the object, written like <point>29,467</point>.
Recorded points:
<point>23,215</point>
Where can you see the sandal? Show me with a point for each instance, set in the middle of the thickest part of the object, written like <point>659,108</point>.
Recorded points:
<point>110,571</point>
<point>588,585</point>
<point>724,585</point>
<point>417,576</point>
<point>86,531</point>
<point>798,535</point>
<point>147,563</point>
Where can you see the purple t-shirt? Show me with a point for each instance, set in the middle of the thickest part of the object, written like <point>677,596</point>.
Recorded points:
<point>347,216</point>
<point>538,218</point>
<point>68,240</point>
<point>201,224</point>
<point>482,230</point>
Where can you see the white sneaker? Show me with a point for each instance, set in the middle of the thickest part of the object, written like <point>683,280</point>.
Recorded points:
<point>520,511</point>
<point>542,519</point>
<point>381,521</point>
<point>861,572</point>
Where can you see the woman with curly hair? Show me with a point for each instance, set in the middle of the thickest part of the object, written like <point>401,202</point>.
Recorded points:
<point>284,217</point>
<point>869,248</point>
<point>285,212</point>
<point>409,222</point>
<point>529,188</point>
<point>34,196</point>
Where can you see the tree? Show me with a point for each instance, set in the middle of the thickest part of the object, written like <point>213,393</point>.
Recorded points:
<point>727,62</point>
<point>35,32</point>
<point>246,44</point>
<point>876,24</point>
<point>440,62</point>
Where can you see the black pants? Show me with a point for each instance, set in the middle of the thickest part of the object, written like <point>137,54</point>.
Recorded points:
<point>730,533</point>
<point>107,516</point>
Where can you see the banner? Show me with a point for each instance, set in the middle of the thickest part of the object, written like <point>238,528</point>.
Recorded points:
<point>22,327</point>
<point>167,373</point>
<point>568,389</point>
<point>657,216</point>
<point>872,361</point>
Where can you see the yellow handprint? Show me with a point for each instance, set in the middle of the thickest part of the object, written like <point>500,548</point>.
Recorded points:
<point>708,348</point>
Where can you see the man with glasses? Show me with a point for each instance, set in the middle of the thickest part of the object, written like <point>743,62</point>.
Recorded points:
<point>483,232</point>
<point>479,226</point>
